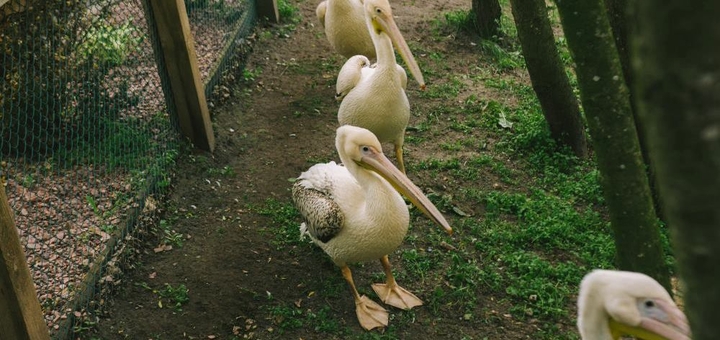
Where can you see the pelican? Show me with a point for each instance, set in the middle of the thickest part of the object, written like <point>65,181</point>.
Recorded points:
<point>355,214</point>
<point>616,303</point>
<point>373,97</point>
<point>354,69</point>
<point>344,24</point>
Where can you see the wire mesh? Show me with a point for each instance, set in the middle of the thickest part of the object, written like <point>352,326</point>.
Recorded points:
<point>87,140</point>
<point>220,29</point>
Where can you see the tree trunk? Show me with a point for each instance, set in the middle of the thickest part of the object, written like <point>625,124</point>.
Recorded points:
<point>676,53</point>
<point>487,17</point>
<point>547,73</point>
<point>615,141</point>
<point>621,15</point>
<point>618,15</point>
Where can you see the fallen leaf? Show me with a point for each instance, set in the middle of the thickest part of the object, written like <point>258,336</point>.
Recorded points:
<point>504,122</point>
<point>460,212</point>
<point>447,246</point>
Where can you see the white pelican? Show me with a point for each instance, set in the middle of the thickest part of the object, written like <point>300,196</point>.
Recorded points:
<point>355,69</point>
<point>344,24</point>
<point>616,303</point>
<point>375,97</point>
<point>355,214</point>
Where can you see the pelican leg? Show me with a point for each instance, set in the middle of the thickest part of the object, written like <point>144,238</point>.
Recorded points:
<point>399,156</point>
<point>369,313</point>
<point>391,293</point>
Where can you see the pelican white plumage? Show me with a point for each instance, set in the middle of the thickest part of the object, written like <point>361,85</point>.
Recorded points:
<point>355,214</point>
<point>613,303</point>
<point>356,68</point>
<point>344,24</point>
<point>373,97</point>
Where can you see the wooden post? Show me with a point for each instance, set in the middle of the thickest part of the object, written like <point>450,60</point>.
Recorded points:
<point>178,51</point>
<point>268,9</point>
<point>20,314</point>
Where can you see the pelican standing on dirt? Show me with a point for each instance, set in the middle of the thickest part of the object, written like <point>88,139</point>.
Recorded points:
<point>355,214</point>
<point>344,24</point>
<point>613,303</point>
<point>373,97</point>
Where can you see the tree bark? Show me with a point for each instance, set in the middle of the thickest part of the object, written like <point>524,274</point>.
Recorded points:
<point>676,57</point>
<point>487,17</point>
<point>618,16</point>
<point>547,73</point>
<point>621,18</point>
<point>607,108</point>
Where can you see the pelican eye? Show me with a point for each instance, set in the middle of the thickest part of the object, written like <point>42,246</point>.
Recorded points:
<point>365,148</point>
<point>649,304</point>
<point>378,10</point>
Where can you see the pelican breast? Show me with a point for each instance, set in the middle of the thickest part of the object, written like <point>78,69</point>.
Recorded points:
<point>348,223</point>
<point>378,103</point>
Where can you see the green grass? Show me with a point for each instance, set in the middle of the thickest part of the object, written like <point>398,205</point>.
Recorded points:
<point>535,222</point>
<point>288,12</point>
<point>285,223</point>
<point>541,231</point>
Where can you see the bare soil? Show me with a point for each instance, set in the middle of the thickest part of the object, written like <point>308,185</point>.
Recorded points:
<point>270,130</point>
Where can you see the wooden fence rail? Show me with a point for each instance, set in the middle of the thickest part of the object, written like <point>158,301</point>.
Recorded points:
<point>21,317</point>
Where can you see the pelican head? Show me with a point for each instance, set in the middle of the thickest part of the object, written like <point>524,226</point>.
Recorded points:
<point>616,303</point>
<point>360,147</point>
<point>381,19</point>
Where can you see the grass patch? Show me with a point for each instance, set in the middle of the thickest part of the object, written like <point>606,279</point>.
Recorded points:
<point>284,219</point>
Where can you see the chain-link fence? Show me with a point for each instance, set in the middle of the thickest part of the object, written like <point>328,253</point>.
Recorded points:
<point>87,139</point>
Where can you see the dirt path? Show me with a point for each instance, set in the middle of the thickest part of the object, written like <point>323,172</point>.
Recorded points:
<point>270,130</point>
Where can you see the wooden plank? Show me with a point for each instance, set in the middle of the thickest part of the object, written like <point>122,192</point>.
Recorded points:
<point>178,52</point>
<point>268,9</point>
<point>20,313</point>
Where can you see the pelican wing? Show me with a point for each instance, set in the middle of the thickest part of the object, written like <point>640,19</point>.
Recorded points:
<point>323,215</point>
<point>350,74</point>
<point>403,76</point>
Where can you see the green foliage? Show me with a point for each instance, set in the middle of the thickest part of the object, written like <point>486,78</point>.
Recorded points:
<point>284,220</point>
<point>110,45</point>
<point>177,296</point>
<point>169,235</point>
<point>64,100</point>
<point>287,11</point>
<point>459,20</point>
<point>502,58</point>
<point>289,317</point>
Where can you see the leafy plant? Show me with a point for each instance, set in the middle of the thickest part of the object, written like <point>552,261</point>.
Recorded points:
<point>177,296</point>
<point>45,109</point>
<point>287,11</point>
<point>109,44</point>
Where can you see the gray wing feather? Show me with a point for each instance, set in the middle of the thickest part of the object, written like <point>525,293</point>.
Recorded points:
<point>324,217</point>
